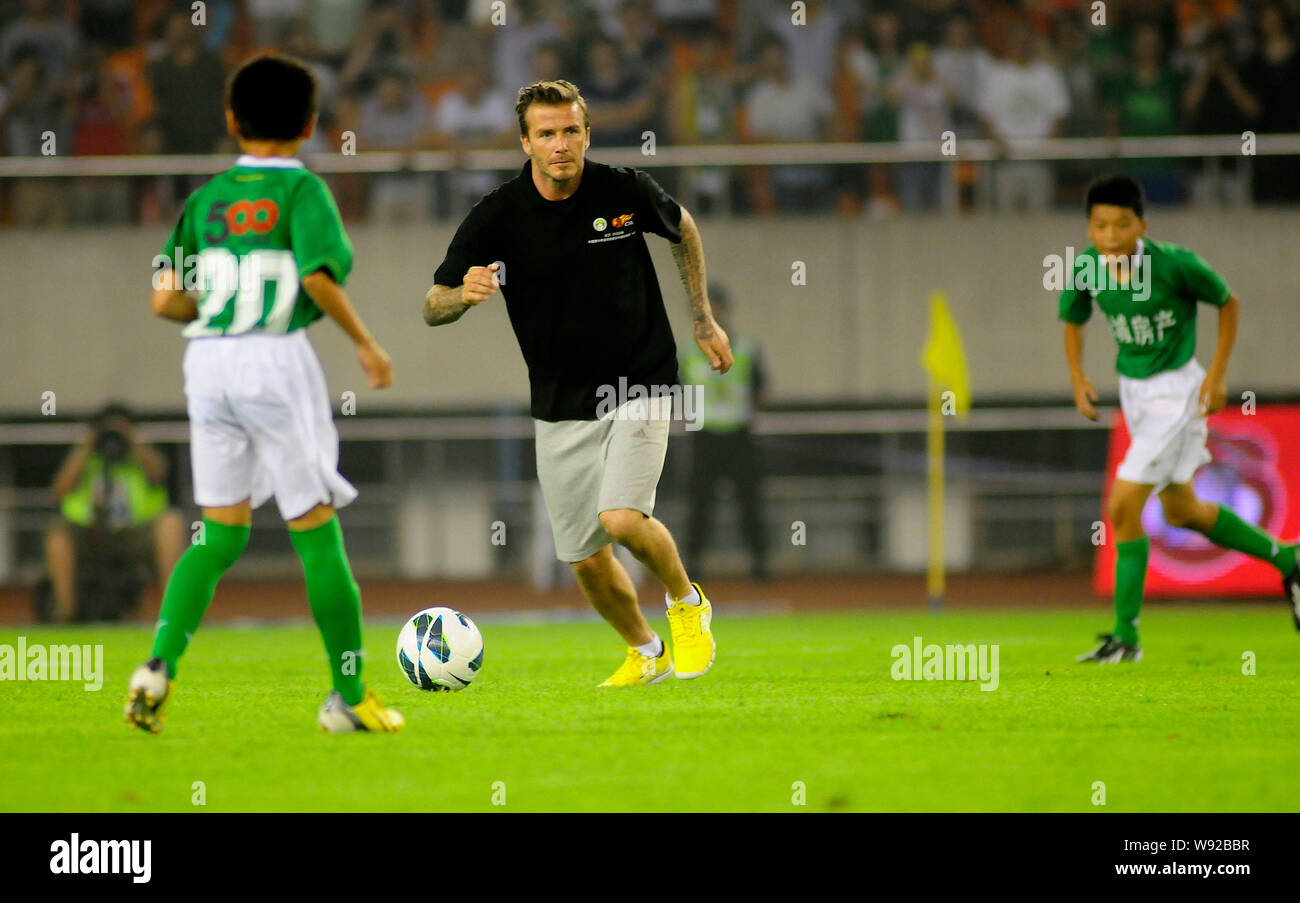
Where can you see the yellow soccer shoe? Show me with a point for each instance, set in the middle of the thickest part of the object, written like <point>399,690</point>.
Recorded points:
<point>638,670</point>
<point>693,646</point>
<point>147,696</point>
<point>337,717</point>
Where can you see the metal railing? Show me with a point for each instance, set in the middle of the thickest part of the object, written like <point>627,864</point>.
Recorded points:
<point>520,426</point>
<point>834,470</point>
<point>970,150</point>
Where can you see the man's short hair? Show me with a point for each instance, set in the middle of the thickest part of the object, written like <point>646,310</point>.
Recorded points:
<point>553,93</point>
<point>273,97</point>
<point>1118,191</point>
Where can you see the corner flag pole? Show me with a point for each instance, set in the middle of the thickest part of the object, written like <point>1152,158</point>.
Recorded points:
<point>934,583</point>
<point>948,384</point>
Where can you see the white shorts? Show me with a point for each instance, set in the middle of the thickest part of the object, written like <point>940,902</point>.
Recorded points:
<point>261,424</point>
<point>589,466</point>
<point>1164,422</point>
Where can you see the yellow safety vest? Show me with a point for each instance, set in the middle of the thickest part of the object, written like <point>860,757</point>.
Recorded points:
<point>134,499</point>
<point>728,398</point>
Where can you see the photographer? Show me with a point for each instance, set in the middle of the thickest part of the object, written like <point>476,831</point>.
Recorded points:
<point>725,446</point>
<point>115,525</point>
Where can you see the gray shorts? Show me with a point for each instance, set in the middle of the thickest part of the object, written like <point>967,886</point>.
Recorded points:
<point>589,466</point>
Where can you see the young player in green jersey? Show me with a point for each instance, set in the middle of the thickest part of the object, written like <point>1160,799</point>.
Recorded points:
<point>259,254</point>
<point>1148,291</point>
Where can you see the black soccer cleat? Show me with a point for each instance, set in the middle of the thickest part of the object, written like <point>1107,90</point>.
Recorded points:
<point>1104,649</point>
<point>1291,586</point>
<point>1112,650</point>
<point>1122,652</point>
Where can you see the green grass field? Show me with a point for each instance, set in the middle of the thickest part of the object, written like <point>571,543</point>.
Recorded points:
<point>791,699</point>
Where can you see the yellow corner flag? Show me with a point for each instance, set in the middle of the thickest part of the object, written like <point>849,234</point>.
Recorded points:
<point>945,362</point>
<point>944,359</point>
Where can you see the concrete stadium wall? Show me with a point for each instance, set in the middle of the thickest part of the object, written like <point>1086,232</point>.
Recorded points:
<point>75,319</point>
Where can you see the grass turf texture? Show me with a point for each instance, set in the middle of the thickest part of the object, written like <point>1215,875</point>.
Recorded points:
<point>806,698</point>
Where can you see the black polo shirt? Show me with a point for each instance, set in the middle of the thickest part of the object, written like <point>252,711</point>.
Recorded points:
<point>579,286</point>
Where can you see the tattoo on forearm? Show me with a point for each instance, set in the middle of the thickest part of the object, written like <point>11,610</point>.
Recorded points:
<point>689,256</point>
<point>444,305</point>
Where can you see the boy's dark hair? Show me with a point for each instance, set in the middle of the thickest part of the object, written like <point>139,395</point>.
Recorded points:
<point>1118,191</point>
<point>273,97</point>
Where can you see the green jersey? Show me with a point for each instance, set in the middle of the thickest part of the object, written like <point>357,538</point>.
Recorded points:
<point>245,241</point>
<point>1153,314</point>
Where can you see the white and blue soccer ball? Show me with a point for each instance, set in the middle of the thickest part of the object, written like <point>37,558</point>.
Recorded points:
<point>440,649</point>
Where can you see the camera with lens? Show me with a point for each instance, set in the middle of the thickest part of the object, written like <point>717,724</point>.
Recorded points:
<point>110,441</point>
<point>111,444</point>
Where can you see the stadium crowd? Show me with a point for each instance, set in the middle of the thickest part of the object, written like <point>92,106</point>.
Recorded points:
<point>128,77</point>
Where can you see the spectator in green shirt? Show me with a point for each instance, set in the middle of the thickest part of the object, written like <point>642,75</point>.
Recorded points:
<point>1145,102</point>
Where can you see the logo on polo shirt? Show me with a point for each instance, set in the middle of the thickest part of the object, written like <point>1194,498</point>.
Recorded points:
<point>599,223</point>
<point>618,226</point>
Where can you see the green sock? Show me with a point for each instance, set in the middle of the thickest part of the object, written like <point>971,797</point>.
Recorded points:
<point>190,589</point>
<point>335,602</point>
<point>1231,532</point>
<point>1130,578</point>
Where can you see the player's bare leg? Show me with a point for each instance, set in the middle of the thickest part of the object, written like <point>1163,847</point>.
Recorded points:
<point>690,614</point>
<point>61,562</point>
<point>1125,509</point>
<point>609,588</point>
<point>168,543</point>
<point>321,514</point>
<point>1184,509</point>
<point>652,545</point>
<point>238,515</point>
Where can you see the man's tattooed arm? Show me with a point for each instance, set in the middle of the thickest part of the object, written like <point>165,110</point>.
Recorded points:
<point>689,255</point>
<point>444,305</point>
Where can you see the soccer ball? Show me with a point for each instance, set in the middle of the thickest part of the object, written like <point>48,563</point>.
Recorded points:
<point>440,649</point>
